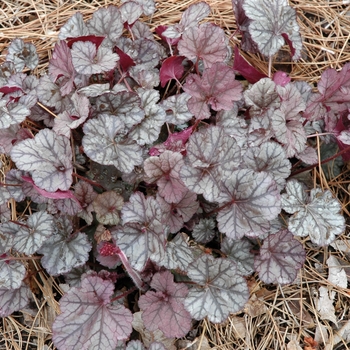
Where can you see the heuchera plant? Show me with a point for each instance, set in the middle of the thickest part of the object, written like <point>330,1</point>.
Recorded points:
<point>136,143</point>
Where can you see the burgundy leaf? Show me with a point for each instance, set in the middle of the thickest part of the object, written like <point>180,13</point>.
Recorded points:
<point>171,68</point>
<point>280,258</point>
<point>170,41</point>
<point>241,66</point>
<point>88,319</point>
<point>165,171</point>
<point>206,42</point>
<point>217,88</point>
<point>95,39</point>
<point>48,158</point>
<point>125,61</point>
<point>61,65</point>
<point>164,309</point>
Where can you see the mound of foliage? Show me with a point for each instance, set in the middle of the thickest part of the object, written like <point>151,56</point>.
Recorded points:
<point>150,180</point>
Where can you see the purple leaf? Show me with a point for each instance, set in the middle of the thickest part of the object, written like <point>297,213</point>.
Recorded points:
<point>280,258</point>
<point>178,213</point>
<point>173,31</point>
<point>219,290</point>
<point>48,158</point>
<point>171,68</point>
<point>165,171</point>
<point>108,254</point>
<point>104,144</point>
<point>89,60</point>
<point>107,22</point>
<point>142,237</point>
<point>251,200</point>
<point>88,319</point>
<point>31,236</point>
<point>204,232</point>
<point>239,253</point>
<point>64,250</point>
<point>206,42</point>
<point>317,215</point>
<point>74,27</point>
<point>164,309</point>
<point>210,152</point>
<point>22,55</point>
<point>125,61</point>
<point>61,65</point>
<point>12,272</point>
<point>216,87</point>
<point>281,78</point>
<point>12,300</point>
<point>85,194</point>
<point>272,23</point>
<point>241,66</point>
<point>107,205</point>
<point>178,254</point>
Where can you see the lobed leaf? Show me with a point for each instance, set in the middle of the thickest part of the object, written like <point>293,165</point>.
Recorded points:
<point>171,68</point>
<point>203,232</point>
<point>12,273</point>
<point>219,290</point>
<point>12,300</point>
<point>106,205</point>
<point>22,55</point>
<point>88,319</point>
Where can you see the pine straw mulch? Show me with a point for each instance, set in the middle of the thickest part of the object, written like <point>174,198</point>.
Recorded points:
<point>275,315</point>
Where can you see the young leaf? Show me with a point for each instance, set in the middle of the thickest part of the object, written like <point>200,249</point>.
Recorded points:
<point>88,319</point>
<point>107,22</point>
<point>142,237</point>
<point>317,215</point>
<point>104,144</point>
<point>272,23</point>
<point>31,236</point>
<point>22,55</point>
<point>206,42</point>
<point>171,68</point>
<point>251,200</point>
<point>239,252</point>
<point>48,157</point>
<point>12,300</point>
<point>85,194</point>
<point>61,65</point>
<point>74,27</point>
<point>204,232</point>
<point>165,170</point>
<point>164,309</point>
<point>219,291</point>
<point>216,87</point>
<point>89,60</point>
<point>280,258</point>
<point>12,272</point>
<point>106,206</point>
<point>210,152</point>
<point>64,250</point>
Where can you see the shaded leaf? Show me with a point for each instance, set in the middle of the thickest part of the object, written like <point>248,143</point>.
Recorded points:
<point>88,319</point>
<point>204,232</point>
<point>280,258</point>
<point>107,206</point>
<point>219,290</point>
<point>48,157</point>
<point>164,309</point>
<point>317,215</point>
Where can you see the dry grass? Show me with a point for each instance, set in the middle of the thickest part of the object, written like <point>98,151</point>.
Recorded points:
<point>276,315</point>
